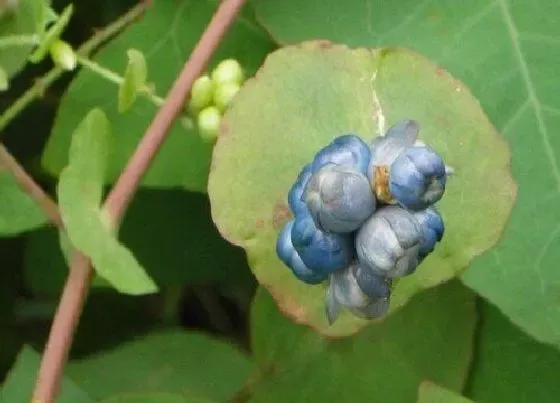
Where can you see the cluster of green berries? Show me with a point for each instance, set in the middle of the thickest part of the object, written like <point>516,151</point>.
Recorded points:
<point>212,93</point>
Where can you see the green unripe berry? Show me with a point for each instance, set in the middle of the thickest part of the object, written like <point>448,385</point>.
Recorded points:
<point>224,94</point>
<point>201,93</point>
<point>63,55</point>
<point>228,71</point>
<point>208,122</point>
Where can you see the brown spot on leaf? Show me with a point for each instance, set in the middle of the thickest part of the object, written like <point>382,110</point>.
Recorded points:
<point>324,44</point>
<point>280,214</point>
<point>289,307</point>
<point>260,223</point>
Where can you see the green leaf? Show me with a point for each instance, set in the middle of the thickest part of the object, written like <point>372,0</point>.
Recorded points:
<point>256,161</point>
<point>171,234</point>
<point>19,385</point>
<point>134,79</point>
<point>43,15</point>
<point>511,367</point>
<point>430,338</point>
<point>52,35</point>
<point>431,393</point>
<point>80,194</point>
<point>170,361</point>
<point>166,34</point>
<point>19,212</point>
<point>21,22</point>
<point>513,76</point>
<point>155,398</point>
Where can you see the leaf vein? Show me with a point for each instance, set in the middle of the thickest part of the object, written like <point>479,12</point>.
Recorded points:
<point>530,88</point>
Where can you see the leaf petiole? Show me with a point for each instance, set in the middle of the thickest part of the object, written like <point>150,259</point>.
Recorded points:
<point>117,79</point>
<point>18,40</point>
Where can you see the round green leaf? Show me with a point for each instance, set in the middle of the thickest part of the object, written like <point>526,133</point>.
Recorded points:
<point>307,95</point>
<point>170,361</point>
<point>431,338</point>
<point>510,366</point>
<point>507,52</point>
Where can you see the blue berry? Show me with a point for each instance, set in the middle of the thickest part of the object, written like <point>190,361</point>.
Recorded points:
<point>405,172</point>
<point>339,198</point>
<point>389,242</point>
<point>322,252</point>
<point>347,149</point>
<point>433,229</point>
<point>418,178</point>
<point>295,196</point>
<point>289,256</point>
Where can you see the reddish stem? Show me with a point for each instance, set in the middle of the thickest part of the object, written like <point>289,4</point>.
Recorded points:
<point>123,191</point>
<point>75,289</point>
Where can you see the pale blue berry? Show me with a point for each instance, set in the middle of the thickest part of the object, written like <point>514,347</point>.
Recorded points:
<point>389,241</point>
<point>345,292</point>
<point>371,283</point>
<point>339,198</point>
<point>401,136</point>
<point>290,257</point>
<point>373,310</point>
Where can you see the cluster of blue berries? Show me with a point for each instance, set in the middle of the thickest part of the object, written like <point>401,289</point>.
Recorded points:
<point>363,216</point>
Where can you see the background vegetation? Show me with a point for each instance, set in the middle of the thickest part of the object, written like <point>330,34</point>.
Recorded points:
<point>479,321</point>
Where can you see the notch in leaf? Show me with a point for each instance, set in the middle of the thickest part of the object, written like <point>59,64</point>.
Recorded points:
<point>134,81</point>
<point>80,193</point>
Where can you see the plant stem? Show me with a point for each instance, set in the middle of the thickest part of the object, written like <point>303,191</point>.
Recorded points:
<point>38,89</point>
<point>18,40</point>
<point>29,186</point>
<point>125,187</point>
<point>113,77</point>
<point>75,289</point>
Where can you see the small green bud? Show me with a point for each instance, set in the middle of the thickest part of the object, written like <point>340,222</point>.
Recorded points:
<point>63,55</point>
<point>224,94</point>
<point>228,71</point>
<point>209,123</point>
<point>201,94</point>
